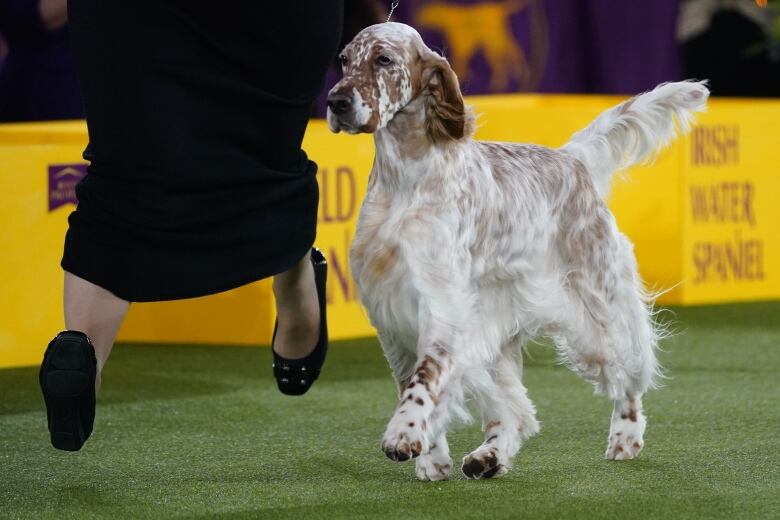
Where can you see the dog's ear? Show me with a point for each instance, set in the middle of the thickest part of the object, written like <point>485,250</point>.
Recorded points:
<point>444,110</point>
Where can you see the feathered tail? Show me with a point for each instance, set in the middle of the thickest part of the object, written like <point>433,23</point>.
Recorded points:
<point>634,131</point>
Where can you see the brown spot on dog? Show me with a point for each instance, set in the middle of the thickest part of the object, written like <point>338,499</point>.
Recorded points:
<point>442,468</point>
<point>424,374</point>
<point>623,416</point>
<point>411,385</point>
<point>594,359</point>
<point>411,425</point>
<point>632,415</point>
<point>416,447</point>
<point>441,351</point>
<point>637,445</point>
<point>485,466</point>
<point>491,424</point>
<point>446,116</point>
<point>382,261</point>
<point>419,401</point>
<point>434,365</point>
<point>619,448</point>
<point>491,460</point>
<point>473,468</point>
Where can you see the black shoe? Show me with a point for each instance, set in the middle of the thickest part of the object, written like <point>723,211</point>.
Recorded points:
<point>295,376</point>
<point>67,379</point>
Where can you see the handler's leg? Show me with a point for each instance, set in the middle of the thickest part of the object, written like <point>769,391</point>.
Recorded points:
<point>97,313</point>
<point>71,368</point>
<point>298,311</point>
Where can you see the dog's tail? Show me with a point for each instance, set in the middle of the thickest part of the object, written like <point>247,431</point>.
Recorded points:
<point>634,131</point>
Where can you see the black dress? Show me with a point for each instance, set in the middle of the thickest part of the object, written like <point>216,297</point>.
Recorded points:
<point>196,112</point>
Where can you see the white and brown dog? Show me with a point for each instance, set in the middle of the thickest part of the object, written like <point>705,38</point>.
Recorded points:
<point>465,250</point>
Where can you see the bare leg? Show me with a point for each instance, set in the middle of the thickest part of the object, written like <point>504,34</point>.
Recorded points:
<point>297,311</point>
<point>97,313</point>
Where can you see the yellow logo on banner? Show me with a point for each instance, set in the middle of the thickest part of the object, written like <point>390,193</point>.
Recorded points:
<point>486,27</point>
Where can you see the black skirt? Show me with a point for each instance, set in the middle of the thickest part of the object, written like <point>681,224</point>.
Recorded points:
<point>196,112</point>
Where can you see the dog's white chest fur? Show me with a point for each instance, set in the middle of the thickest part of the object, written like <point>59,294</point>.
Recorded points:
<point>380,267</point>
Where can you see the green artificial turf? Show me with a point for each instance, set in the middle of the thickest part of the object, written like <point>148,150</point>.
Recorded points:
<point>202,432</point>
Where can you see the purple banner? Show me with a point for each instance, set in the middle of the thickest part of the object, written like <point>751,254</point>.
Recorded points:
<point>62,183</point>
<point>604,46</point>
<point>557,46</point>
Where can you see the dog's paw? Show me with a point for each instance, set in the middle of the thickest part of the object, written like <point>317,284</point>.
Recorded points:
<point>625,439</point>
<point>400,444</point>
<point>484,462</point>
<point>433,466</point>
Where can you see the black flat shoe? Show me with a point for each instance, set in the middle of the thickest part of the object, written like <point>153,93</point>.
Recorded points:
<point>295,376</point>
<point>67,379</point>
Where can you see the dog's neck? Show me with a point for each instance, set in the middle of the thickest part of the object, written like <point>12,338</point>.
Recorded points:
<point>403,148</point>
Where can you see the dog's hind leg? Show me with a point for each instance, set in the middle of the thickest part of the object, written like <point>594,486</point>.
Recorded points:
<point>626,430</point>
<point>625,385</point>
<point>508,419</point>
<point>640,338</point>
<point>611,342</point>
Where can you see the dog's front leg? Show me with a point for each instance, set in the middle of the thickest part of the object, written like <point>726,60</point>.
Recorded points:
<point>407,435</point>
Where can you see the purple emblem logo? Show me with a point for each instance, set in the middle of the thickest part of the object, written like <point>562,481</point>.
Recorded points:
<point>62,183</point>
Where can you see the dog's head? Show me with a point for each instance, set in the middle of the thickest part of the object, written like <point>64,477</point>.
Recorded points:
<point>386,67</point>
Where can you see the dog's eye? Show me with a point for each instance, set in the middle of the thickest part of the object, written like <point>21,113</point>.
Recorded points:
<point>383,60</point>
<point>343,60</point>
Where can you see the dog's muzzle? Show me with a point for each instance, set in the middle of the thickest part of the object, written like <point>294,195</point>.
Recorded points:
<point>341,113</point>
<point>339,103</point>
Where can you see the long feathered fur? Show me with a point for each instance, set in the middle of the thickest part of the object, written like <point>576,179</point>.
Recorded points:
<point>635,131</point>
<point>466,250</point>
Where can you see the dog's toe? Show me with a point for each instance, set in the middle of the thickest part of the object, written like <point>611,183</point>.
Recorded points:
<point>482,465</point>
<point>401,449</point>
<point>623,447</point>
<point>625,440</point>
<point>427,468</point>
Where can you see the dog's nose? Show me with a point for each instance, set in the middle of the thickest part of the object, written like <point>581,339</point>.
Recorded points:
<point>339,103</point>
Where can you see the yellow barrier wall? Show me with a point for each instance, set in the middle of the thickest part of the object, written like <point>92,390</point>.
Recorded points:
<point>703,220</point>
<point>731,212</point>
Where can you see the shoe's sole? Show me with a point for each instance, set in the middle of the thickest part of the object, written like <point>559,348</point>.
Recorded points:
<point>67,380</point>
